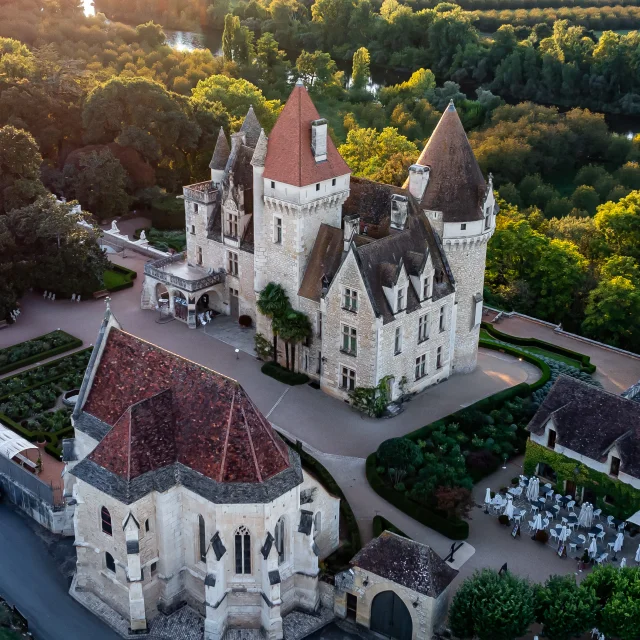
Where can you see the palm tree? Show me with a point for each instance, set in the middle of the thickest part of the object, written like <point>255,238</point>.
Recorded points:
<point>273,303</point>
<point>294,327</point>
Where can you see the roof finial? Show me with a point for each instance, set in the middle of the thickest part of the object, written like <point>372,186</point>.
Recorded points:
<point>299,83</point>
<point>451,107</point>
<point>107,302</point>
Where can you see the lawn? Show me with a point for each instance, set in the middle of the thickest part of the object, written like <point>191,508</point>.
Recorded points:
<point>118,277</point>
<point>484,335</point>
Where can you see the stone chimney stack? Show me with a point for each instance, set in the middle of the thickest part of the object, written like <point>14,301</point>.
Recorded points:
<point>418,179</point>
<point>319,139</point>
<point>399,212</point>
<point>351,228</point>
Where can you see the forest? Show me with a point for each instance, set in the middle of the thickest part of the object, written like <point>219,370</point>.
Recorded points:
<point>109,114</point>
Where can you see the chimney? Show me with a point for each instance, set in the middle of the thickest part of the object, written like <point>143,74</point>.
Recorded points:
<point>319,139</point>
<point>418,179</point>
<point>351,228</point>
<point>398,211</point>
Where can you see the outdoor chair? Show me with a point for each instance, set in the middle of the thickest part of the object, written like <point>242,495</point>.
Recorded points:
<point>600,536</point>
<point>611,545</point>
<point>571,505</point>
<point>621,527</point>
<point>602,558</point>
<point>572,525</point>
<point>599,526</point>
<point>531,524</point>
<point>545,523</point>
<point>564,520</point>
<point>559,497</point>
<point>556,508</point>
<point>549,515</point>
<point>517,517</point>
<point>573,546</point>
<point>610,520</point>
<point>569,496</point>
<point>597,513</point>
<point>554,534</point>
<point>534,509</point>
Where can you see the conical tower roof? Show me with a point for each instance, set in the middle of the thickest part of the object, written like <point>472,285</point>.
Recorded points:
<point>456,185</point>
<point>251,128</point>
<point>220,153</point>
<point>290,158</point>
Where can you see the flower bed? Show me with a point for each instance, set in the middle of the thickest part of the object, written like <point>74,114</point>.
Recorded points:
<point>27,400</point>
<point>25,353</point>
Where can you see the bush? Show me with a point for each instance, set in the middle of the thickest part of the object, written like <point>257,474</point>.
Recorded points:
<point>399,453</point>
<point>245,321</point>
<point>167,213</point>
<point>482,463</point>
<point>503,519</point>
<point>454,529</point>
<point>263,347</point>
<point>541,536</point>
<point>281,374</point>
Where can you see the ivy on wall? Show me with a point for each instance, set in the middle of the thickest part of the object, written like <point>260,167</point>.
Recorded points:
<point>626,499</point>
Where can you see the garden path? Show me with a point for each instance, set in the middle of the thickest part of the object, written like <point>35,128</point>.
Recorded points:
<point>616,371</point>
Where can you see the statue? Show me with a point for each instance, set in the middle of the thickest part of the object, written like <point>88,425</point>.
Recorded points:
<point>143,235</point>
<point>114,227</point>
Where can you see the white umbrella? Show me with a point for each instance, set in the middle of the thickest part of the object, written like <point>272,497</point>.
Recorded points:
<point>593,548</point>
<point>532,489</point>
<point>588,519</point>
<point>617,545</point>
<point>487,496</point>
<point>564,534</point>
<point>623,563</point>
<point>508,510</point>
<point>537,523</point>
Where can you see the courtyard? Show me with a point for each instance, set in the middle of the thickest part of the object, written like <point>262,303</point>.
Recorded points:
<point>331,430</point>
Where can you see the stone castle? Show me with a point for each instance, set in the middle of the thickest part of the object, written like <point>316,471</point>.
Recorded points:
<point>391,278</point>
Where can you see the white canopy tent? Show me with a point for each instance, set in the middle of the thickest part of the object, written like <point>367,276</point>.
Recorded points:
<point>11,444</point>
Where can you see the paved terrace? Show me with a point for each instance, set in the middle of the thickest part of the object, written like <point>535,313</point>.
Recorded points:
<point>340,437</point>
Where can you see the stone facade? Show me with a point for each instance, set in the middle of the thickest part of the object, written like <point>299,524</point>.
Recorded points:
<point>284,209</point>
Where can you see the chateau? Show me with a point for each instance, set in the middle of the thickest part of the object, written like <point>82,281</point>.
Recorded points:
<point>391,278</point>
<point>184,494</point>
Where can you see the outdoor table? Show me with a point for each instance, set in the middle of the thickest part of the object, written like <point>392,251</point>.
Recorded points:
<point>572,517</point>
<point>542,501</point>
<point>564,501</point>
<point>616,522</point>
<point>594,530</point>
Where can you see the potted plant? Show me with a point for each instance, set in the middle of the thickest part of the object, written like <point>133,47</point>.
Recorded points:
<point>541,536</point>
<point>39,464</point>
<point>503,519</point>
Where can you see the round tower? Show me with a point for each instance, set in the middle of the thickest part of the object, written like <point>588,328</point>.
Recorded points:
<point>460,205</point>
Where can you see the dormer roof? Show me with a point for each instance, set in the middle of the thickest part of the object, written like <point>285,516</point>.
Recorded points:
<point>456,184</point>
<point>290,157</point>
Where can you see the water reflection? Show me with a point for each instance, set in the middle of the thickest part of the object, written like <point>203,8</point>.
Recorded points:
<point>184,40</point>
<point>89,9</point>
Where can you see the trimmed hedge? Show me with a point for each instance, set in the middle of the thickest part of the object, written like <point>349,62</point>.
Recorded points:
<point>585,361</point>
<point>73,343</point>
<point>329,483</point>
<point>454,529</point>
<point>281,374</point>
<point>128,276</point>
<point>381,524</point>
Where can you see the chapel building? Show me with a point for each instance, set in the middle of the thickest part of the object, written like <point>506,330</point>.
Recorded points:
<point>183,494</point>
<point>391,278</point>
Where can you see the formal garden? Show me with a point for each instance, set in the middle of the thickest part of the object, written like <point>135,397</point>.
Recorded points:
<point>117,277</point>
<point>26,353</point>
<point>31,402</point>
<point>429,473</point>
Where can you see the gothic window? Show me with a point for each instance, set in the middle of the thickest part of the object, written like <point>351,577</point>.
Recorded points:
<point>199,256</point>
<point>349,340</point>
<point>195,208</point>
<point>232,263</point>
<point>439,358</point>
<point>202,539</point>
<point>421,366</point>
<point>442,319</point>
<point>105,518</point>
<point>423,328</point>
<point>400,304</point>
<point>243,550</point>
<point>280,539</point>
<point>110,562</point>
<point>317,524</point>
<point>347,379</point>
<point>487,221</point>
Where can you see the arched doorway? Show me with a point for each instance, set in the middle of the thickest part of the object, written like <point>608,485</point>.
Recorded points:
<point>390,616</point>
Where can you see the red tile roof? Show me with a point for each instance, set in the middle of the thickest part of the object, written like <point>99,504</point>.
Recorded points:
<point>289,155</point>
<point>166,409</point>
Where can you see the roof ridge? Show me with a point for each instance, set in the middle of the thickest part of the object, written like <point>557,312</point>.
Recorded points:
<point>226,439</point>
<point>564,376</point>
<point>253,450</point>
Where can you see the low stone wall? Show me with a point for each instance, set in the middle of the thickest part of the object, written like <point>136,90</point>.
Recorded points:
<point>120,241</point>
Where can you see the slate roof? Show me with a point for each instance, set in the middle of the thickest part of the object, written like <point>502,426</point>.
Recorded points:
<point>165,409</point>
<point>221,152</point>
<point>251,128</point>
<point>325,259</point>
<point>589,421</point>
<point>456,185</point>
<point>289,155</point>
<point>408,563</point>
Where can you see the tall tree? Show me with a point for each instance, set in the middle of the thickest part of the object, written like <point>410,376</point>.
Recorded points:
<point>273,303</point>
<point>360,72</point>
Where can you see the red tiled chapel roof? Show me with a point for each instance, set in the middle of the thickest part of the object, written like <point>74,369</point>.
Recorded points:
<point>166,409</point>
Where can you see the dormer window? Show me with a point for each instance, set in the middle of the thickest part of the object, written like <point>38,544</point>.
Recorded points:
<point>401,300</point>
<point>319,140</point>
<point>463,226</point>
<point>398,211</point>
<point>551,439</point>
<point>615,467</point>
<point>439,276</point>
<point>350,300</point>
<point>426,288</point>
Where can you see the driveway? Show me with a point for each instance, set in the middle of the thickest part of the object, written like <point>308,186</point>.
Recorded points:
<point>29,579</point>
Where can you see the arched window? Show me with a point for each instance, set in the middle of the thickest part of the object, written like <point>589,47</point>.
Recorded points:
<point>110,562</point>
<point>105,518</point>
<point>280,539</point>
<point>202,539</point>
<point>243,550</point>
<point>317,524</point>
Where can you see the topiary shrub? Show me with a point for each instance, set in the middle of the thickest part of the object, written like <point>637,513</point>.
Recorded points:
<point>503,519</point>
<point>245,321</point>
<point>541,536</point>
<point>400,453</point>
